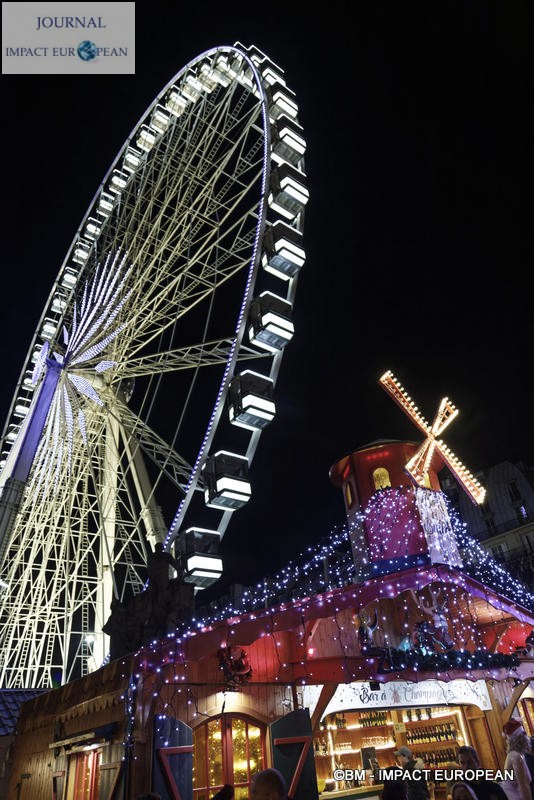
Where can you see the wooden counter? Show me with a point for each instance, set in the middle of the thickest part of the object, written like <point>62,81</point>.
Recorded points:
<point>368,792</point>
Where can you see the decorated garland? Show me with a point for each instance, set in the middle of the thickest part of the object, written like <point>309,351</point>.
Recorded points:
<point>451,660</point>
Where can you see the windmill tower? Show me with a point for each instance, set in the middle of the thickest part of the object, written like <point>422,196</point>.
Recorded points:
<point>388,479</point>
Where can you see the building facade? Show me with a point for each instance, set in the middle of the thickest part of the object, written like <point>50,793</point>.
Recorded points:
<point>504,523</point>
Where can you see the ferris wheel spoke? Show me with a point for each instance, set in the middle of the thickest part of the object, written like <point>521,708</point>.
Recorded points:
<point>207,354</point>
<point>171,296</point>
<point>158,233</point>
<point>161,453</point>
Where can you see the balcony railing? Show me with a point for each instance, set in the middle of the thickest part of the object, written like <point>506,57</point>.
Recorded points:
<point>484,531</point>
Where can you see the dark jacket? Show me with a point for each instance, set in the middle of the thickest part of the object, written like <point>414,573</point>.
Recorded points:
<point>417,787</point>
<point>394,790</point>
<point>488,790</point>
<point>529,758</point>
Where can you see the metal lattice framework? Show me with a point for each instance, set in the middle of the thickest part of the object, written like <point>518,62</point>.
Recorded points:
<point>122,398</point>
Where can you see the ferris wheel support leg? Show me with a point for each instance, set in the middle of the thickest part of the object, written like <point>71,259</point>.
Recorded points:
<point>155,528</point>
<point>22,456</point>
<point>107,587</point>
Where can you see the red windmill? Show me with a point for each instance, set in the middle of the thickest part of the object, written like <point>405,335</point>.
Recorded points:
<point>396,524</point>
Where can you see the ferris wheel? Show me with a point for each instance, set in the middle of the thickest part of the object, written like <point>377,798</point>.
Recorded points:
<point>151,373</point>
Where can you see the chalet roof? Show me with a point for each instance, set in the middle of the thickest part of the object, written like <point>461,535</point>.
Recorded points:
<point>246,627</point>
<point>10,703</point>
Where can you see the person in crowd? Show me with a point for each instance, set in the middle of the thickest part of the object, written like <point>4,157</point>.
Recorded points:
<point>417,786</point>
<point>529,758</point>
<point>269,784</point>
<point>451,767</point>
<point>517,744</point>
<point>226,793</point>
<point>483,788</point>
<point>394,789</point>
<point>462,791</point>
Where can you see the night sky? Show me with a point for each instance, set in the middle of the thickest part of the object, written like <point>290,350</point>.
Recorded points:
<point>417,125</point>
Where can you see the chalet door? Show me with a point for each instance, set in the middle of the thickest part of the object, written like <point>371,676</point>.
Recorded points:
<point>227,749</point>
<point>172,765</point>
<point>291,737</point>
<point>83,777</point>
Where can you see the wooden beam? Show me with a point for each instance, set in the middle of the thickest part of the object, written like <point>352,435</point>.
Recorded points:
<point>327,692</point>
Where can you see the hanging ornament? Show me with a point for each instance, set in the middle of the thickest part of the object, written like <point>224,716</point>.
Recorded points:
<point>234,663</point>
<point>529,645</point>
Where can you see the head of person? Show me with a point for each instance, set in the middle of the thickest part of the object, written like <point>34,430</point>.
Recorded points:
<point>269,784</point>
<point>226,793</point>
<point>403,755</point>
<point>516,736</point>
<point>468,758</point>
<point>461,791</point>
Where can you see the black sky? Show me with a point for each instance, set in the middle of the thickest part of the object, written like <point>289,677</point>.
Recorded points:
<point>418,131</point>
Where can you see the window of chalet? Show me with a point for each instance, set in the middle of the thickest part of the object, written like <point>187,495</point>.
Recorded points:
<point>227,749</point>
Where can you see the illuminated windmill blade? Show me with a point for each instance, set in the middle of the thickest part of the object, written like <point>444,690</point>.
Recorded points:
<point>420,462</point>
<point>473,488</point>
<point>402,398</point>
<point>446,413</point>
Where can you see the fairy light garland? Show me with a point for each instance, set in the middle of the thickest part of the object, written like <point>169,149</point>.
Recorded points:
<point>304,576</point>
<point>395,532</point>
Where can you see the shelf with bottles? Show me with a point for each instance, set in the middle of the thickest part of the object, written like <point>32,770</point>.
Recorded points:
<point>348,737</point>
<point>378,742</point>
<point>348,747</point>
<point>356,720</point>
<point>433,714</point>
<point>321,746</point>
<point>434,728</point>
<point>438,759</point>
<point>432,734</point>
